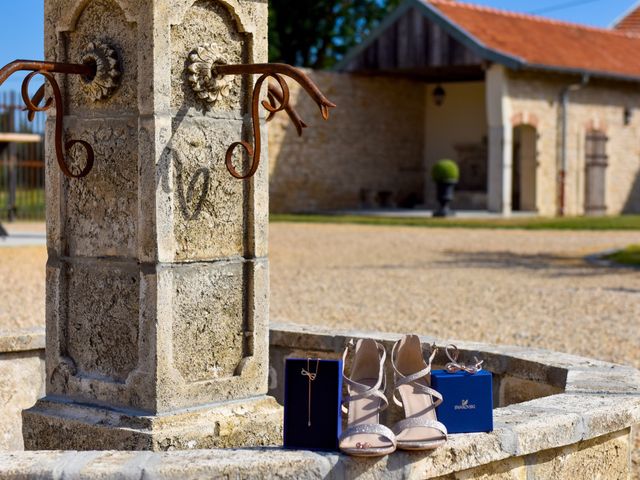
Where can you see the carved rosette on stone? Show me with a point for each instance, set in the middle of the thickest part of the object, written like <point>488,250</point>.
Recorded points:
<point>107,77</point>
<point>206,86</point>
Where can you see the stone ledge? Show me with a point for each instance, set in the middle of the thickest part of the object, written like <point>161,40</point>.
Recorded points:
<point>606,456</point>
<point>593,397</point>
<point>22,340</point>
<point>21,380</point>
<point>597,404</point>
<point>52,422</point>
<point>530,363</point>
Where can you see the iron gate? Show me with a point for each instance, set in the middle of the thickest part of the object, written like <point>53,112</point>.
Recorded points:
<point>21,161</point>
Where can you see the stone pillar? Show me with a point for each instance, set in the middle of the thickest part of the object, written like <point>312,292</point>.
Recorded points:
<point>157,278</point>
<point>499,173</point>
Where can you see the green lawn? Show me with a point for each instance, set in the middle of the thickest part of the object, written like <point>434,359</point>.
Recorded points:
<point>623,222</point>
<point>30,204</point>
<point>628,256</point>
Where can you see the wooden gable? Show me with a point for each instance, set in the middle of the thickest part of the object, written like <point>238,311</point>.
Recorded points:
<point>414,46</point>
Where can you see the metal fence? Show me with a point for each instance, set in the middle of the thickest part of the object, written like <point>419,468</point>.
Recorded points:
<point>21,161</point>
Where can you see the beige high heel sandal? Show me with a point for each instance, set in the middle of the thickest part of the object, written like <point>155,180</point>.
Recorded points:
<point>420,430</point>
<point>365,436</point>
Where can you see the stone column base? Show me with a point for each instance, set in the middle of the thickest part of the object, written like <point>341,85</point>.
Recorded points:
<point>56,425</point>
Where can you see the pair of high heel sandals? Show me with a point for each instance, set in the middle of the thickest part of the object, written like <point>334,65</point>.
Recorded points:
<point>420,430</point>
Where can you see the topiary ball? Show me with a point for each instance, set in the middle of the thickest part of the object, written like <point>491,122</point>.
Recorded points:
<point>445,171</point>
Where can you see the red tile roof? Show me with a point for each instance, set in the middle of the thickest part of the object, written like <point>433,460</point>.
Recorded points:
<point>630,22</point>
<point>537,41</point>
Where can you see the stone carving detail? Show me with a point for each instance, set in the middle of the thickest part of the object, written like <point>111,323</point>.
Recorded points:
<point>107,200</point>
<point>209,342</point>
<point>101,323</point>
<point>65,369</point>
<point>208,87</point>
<point>107,78</point>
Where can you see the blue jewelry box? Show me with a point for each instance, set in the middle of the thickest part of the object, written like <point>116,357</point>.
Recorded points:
<point>467,404</point>
<point>312,403</point>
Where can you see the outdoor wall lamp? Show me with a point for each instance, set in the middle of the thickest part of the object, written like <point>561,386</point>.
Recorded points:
<point>207,77</point>
<point>439,95</point>
<point>99,68</point>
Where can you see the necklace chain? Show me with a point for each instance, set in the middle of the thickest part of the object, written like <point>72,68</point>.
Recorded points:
<point>311,376</point>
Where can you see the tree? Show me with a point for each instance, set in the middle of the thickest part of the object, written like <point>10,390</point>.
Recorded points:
<point>317,33</point>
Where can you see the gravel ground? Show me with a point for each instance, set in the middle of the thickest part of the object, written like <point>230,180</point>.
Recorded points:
<point>529,288</point>
<point>22,272</point>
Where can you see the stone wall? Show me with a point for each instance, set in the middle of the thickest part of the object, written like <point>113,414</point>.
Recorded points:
<point>386,133</point>
<point>604,458</point>
<point>21,381</point>
<point>599,105</point>
<point>573,422</point>
<point>373,143</point>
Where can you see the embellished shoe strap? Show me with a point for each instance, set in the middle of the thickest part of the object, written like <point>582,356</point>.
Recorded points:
<point>401,379</point>
<point>369,428</point>
<point>364,391</point>
<point>419,422</point>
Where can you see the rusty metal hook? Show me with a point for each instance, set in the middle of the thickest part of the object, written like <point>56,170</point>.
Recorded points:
<point>275,96</point>
<point>47,69</point>
<point>278,100</point>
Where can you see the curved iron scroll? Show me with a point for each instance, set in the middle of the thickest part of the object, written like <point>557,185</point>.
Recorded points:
<point>46,69</point>
<point>278,100</point>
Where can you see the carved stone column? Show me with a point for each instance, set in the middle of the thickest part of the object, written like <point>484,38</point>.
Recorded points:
<point>157,278</point>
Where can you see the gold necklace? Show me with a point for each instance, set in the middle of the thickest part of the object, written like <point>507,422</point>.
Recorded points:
<point>311,376</point>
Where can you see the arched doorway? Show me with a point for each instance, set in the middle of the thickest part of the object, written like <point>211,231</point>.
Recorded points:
<point>525,164</point>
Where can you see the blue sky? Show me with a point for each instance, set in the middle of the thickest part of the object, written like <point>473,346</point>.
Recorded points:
<point>598,13</point>
<point>21,34</point>
<point>22,20</point>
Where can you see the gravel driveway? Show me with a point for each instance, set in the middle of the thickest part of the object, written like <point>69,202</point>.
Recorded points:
<point>529,288</point>
<point>22,277</point>
<point>500,286</point>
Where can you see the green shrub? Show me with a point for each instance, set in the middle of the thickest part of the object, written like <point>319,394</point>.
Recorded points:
<point>445,171</point>
<point>627,256</point>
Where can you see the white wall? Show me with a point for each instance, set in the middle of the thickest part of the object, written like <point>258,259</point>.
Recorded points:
<point>500,140</point>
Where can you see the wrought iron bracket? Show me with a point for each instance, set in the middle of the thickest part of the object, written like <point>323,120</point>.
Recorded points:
<point>207,72</point>
<point>102,77</point>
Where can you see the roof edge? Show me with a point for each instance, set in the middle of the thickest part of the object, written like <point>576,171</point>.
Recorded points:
<point>470,41</point>
<point>581,71</point>
<point>435,15</point>
<point>386,23</point>
<point>623,15</point>
<point>466,38</point>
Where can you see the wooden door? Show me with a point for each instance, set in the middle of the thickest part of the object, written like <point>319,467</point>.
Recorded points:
<point>596,162</point>
<point>525,165</point>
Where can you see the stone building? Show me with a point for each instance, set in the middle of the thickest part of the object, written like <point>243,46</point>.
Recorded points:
<point>541,115</point>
